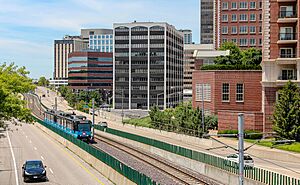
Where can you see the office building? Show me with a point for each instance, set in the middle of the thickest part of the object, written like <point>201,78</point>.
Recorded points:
<point>90,70</point>
<point>239,22</point>
<point>148,65</point>
<point>206,21</point>
<point>62,49</point>
<point>187,36</point>
<point>281,53</point>
<point>98,39</point>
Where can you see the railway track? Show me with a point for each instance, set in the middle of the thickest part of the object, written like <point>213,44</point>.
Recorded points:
<point>181,176</point>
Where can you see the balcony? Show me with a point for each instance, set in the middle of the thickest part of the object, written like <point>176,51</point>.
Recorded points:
<point>292,55</point>
<point>287,38</point>
<point>283,1</point>
<point>286,77</point>
<point>287,17</point>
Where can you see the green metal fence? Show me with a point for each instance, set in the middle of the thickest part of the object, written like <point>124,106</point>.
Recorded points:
<point>253,173</point>
<point>128,172</point>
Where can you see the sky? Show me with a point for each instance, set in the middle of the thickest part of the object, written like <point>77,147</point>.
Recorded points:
<point>28,28</point>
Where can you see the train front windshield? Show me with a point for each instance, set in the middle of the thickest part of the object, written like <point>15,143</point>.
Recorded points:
<point>84,127</point>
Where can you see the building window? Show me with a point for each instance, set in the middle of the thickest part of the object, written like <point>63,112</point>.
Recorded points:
<point>206,92</point>
<point>260,4</point>
<point>224,40</point>
<point>225,6</point>
<point>252,17</point>
<point>288,74</point>
<point>243,42</point>
<point>260,17</point>
<point>233,18</point>
<point>252,29</point>
<point>252,41</point>
<point>224,30</point>
<point>240,92</point>
<point>234,40</point>
<point>233,5</point>
<point>252,5</point>
<point>243,5</point>
<point>225,92</point>
<point>260,41</point>
<point>225,18</point>
<point>233,30</point>
<point>260,29</point>
<point>286,53</point>
<point>243,17</point>
<point>243,29</point>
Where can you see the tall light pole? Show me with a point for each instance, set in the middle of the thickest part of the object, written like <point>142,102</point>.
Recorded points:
<point>202,108</point>
<point>241,147</point>
<point>93,107</point>
<point>122,105</point>
<point>157,95</point>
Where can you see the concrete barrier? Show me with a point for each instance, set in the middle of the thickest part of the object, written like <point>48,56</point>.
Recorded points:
<point>104,169</point>
<point>204,169</point>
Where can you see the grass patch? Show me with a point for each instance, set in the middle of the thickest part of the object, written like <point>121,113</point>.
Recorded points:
<point>143,122</point>
<point>294,147</point>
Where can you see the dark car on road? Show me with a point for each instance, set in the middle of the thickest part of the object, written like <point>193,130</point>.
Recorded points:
<point>34,170</point>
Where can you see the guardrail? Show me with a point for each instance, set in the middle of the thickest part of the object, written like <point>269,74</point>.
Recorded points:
<point>253,173</point>
<point>132,174</point>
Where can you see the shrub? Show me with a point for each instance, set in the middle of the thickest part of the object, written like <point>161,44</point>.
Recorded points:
<point>249,134</point>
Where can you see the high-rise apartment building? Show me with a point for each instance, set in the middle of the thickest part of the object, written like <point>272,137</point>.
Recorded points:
<point>187,36</point>
<point>90,70</point>
<point>62,48</point>
<point>206,21</point>
<point>281,53</point>
<point>148,65</point>
<point>98,39</point>
<point>238,21</point>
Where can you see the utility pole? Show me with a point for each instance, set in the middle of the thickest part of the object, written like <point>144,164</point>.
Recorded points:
<point>241,147</point>
<point>202,108</point>
<point>93,107</point>
<point>122,105</point>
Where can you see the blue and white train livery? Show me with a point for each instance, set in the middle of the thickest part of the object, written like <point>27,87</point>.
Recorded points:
<point>78,126</point>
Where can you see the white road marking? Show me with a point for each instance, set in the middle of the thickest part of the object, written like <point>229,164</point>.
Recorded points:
<point>35,148</point>
<point>42,157</point>
<point>51,170</point>
<point>14,160</point>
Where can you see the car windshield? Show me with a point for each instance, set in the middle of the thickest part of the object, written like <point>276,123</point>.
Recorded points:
<point>247,157</point>
<point>33,164</point>
<point>84,127</point>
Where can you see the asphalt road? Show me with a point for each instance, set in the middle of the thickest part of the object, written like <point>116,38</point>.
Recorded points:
<point>29,142</point>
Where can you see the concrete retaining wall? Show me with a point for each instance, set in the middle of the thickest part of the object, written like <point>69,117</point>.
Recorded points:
<point>207,170</point>
<point>104,169</point>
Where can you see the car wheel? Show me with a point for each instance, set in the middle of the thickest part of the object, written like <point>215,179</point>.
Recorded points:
<point>24,180</point>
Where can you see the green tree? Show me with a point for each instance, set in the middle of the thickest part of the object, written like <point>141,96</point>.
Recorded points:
<point>14,82</point>
<point>43,81</point>
<point>234,58</point>
<point>287,110</point>
<point>251,56</point>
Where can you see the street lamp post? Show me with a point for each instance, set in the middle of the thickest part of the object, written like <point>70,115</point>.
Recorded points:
<point>93,107</point>
<point>157,95</point>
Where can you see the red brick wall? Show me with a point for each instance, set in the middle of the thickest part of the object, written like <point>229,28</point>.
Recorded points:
<point>228,120</point>
<point>269,102</point>
<point>219,24</point>
<point>252,90</point>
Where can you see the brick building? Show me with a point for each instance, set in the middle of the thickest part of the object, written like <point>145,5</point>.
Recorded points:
<point>281,53</point>
<point>90,70</point>
<point>227,93</point>
<point>238,21</point>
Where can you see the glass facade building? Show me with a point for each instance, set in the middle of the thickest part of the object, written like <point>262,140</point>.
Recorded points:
<point>148,65</point>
